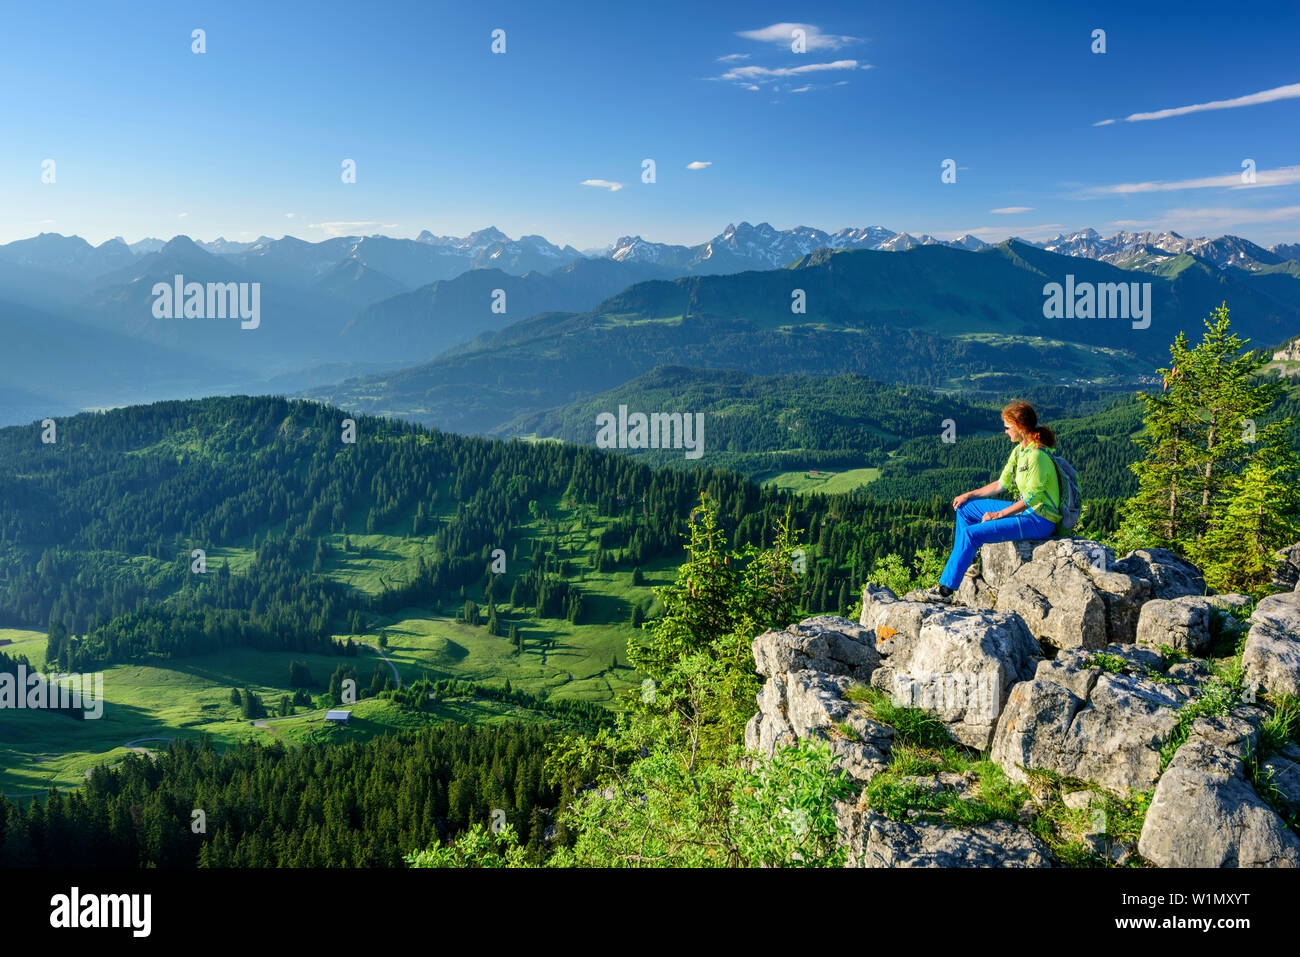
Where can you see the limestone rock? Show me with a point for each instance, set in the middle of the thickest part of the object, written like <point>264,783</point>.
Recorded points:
<point>890,620</point>
<point>1205,813</point>
<point>1281,611</point>
<point>1181,623</point>
<point>961,667</point>
<point>1286,574</point>
<point>874,840</point>
<point>1055,595</point>
<point>999,560</point>
<point>1078,720</point>
<point>974,592</point>
<point>1170,576</point>
<point>1271,659</point>
<point>826,643</point>
<point>1271,655</point>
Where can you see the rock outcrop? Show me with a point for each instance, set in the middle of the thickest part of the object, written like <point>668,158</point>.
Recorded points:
<point>958,663</point>
<point>1271,656</point>
<point>1073,593</point>
<point>1205,813</point>
<point>1052,658</point>
<point>1181,623</point>
<point>1286,574</point>
<point>1078,720</point>
<point>874,840</point>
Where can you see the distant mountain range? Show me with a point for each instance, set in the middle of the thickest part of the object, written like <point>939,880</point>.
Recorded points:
<point>933,316</point>
<point>429,257</point>
<point>354,306</point>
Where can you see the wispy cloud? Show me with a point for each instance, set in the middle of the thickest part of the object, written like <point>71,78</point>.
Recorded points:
<point>766,74</point>
<point>1220,217</point>
<point>1011,210</point>
<point>1282,176</point>
<point>733,58</point>
<point>350,228</point>
<point>1213,220</point>
<point>994,234</point>
<point>783,34</point>
<point>699,164</point>
<point>603,184</point>
<point>182,215</point>
<point>1289,92</point>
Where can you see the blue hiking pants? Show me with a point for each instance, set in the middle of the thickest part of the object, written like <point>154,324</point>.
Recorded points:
<point>971,533</point>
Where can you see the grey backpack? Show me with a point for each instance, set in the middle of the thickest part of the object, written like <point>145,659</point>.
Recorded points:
<point>1071,497</point>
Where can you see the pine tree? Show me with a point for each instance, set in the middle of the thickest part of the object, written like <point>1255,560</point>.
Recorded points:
<point>1194,438</point>
<point>1262,515</point>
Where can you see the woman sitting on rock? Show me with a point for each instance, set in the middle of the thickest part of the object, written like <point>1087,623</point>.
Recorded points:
<point>1030,475</point>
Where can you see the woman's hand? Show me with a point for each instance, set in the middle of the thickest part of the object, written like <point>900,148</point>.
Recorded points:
<point>991,516</point>
<point>961,500</point>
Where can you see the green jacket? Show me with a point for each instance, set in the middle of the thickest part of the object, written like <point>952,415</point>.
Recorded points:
<point>1030,474</point>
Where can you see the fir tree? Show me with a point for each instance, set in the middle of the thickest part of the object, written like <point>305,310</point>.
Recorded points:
<point>1237,554</point>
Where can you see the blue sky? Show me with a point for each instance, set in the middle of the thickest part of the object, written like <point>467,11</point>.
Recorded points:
<point>151,139</point>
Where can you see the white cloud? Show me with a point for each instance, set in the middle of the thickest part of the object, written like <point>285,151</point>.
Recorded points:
<point>1289,92</point>
<point>603,184</point>
<point>802,89</point>
<point>290,215</point>
<point>751,75</point>
<point>995,234</point>
<point>182,215</point>
<point>699,164</point>
<point>1214,221</point>
<point>1011,210</point>
<point>1223,216</point>
<point>783,34</point>
<point>350,228</point>
<point>733,58</point>
<point>1282,176</point>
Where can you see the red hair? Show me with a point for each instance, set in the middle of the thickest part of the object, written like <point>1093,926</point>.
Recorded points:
<point>1024,418</point>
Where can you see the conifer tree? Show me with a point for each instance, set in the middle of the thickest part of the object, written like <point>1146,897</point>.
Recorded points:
<point>1196,439</point>
<point>1237,554</point>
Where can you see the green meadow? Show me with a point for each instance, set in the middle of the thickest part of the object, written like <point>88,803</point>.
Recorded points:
<point>190,697</point>
<point>822,481</point>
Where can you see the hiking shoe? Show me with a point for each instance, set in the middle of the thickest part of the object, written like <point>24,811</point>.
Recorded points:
<point>935,593</point>
<point>972,572</point>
